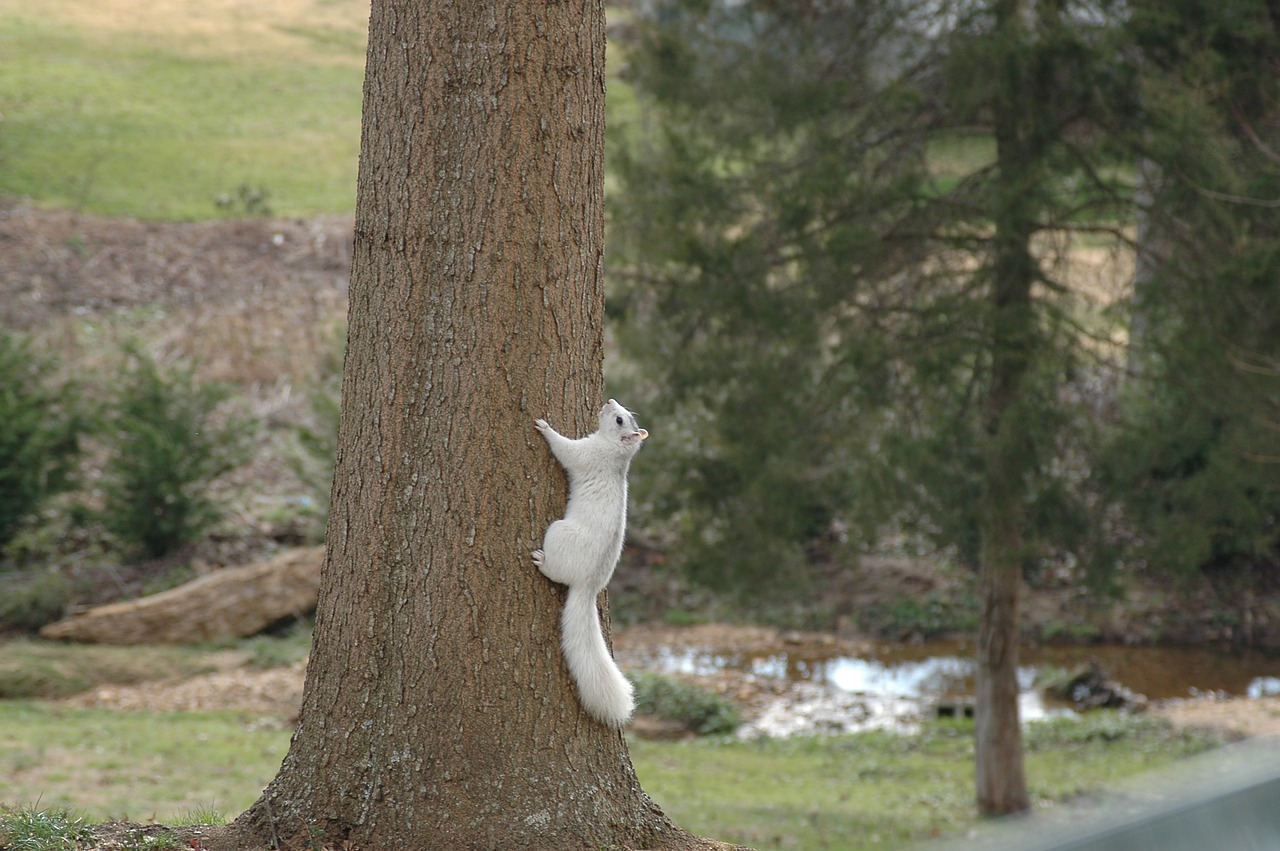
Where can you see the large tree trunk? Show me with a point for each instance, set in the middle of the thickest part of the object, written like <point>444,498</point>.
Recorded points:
<point>437,711</point>
<point>1001,781</point>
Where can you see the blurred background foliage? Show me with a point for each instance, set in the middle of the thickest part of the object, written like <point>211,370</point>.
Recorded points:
<point>815,206</point>
<point>811,206</point>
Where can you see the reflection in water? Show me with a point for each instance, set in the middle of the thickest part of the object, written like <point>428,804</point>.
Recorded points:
<point>946,668</point>
<point>937,676</point>
<point>1264,687</point>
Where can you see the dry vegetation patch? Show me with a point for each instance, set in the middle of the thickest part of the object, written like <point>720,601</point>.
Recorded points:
<point>1241,716</point>
<point>300,28</point>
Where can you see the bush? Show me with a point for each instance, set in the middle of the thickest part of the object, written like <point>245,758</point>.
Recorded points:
<point>927,615</point>
<point>699,710</point>
<point>39,431</point>
<point>168,447</point>
<point>279,647</point>
<point>317,441</point>
<point>29,601</point>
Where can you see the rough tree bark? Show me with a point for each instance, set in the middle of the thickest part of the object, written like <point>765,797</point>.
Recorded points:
<point>437,711</point>
<point>1000,776</point>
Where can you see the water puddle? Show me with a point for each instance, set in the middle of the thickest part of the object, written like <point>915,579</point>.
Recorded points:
<point>894,686</point>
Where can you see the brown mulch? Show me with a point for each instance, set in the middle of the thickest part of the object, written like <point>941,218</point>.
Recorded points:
<point>272,692</point>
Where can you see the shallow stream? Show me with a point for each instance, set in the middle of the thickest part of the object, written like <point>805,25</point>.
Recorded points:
<point>897,685</point>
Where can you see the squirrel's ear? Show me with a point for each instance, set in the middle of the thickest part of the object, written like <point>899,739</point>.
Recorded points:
<point>643,434</point>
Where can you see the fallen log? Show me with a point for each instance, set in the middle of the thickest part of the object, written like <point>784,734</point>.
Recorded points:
<point>229,603</point>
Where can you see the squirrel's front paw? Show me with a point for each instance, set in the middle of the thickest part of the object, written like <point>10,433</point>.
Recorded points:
<point>541,425</point>
<point>538,556</point>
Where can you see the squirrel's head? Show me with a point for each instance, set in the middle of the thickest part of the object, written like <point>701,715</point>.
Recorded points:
<point>620,424</point>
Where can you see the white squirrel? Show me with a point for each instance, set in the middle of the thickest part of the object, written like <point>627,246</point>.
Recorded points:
<point>582,550</point>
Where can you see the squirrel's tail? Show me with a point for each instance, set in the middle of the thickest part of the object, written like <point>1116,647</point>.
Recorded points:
<point>603,690</point>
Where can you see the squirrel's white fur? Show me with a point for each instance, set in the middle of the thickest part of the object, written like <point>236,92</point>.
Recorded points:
<point>582,550</point>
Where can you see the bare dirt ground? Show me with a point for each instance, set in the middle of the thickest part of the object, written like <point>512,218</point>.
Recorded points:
<point>258,304</point>
<point>1241,716</point>
<point>276,693</point>
<point>249,301</point>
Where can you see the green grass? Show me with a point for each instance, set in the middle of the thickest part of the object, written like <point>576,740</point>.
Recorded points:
<point>134,765</point>
<point>161,124</point>
<point>867,790</point>
<point>202,814</point>
<point>284,648</point>
<point>958,155</point>
<point>156,129</point>
<point>42,829</point>
<point>883,790</point>
<point>47,669</point>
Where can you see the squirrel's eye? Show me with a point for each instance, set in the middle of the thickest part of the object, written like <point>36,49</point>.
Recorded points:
<point>619,420</point>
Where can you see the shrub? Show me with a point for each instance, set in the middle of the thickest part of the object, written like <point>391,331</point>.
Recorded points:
<point>168,447</point>
<point>699,710</point>
<point>39,431</point>
<point>317,441</point>
<point>29,601</point>
<point>280,647</point>
<point>927,615</point>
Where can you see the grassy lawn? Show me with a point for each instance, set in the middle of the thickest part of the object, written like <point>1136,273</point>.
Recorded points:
<point>884,790</point>
<point>46,669</point>
<point>144,117</point>
<point>174,110</point>
<point>190,109</point>
<point>869,790</point>
<point>141,766</point>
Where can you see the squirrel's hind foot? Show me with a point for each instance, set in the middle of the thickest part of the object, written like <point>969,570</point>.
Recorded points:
<point>545,566</point>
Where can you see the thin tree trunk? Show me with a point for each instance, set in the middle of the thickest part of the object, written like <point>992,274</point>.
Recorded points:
<point>1149,256</point>
<point>1000,778</point>
<point>437,711</point>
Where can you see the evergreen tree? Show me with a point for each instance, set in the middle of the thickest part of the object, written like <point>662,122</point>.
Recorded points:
<point>808,259</point>
<point>843,266</point>
<point>1193,466</point>
<point>39,433</point>
<point>764,257</point>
